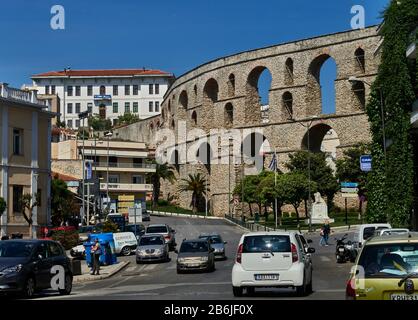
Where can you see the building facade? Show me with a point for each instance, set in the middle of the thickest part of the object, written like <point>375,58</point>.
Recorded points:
<point>122,178</point>
<point>107,93</point>
<point>25,131</point>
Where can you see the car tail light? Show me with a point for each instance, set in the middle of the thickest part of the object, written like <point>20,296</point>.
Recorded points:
<point>295,257</point>
<point>167,237</point>
<point>350,291</point>
<point>239,253</point>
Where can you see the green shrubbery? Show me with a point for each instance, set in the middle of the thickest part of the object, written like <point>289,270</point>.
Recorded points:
<point>68,239</point>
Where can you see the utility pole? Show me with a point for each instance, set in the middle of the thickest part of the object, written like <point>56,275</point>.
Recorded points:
<point>83,116</point>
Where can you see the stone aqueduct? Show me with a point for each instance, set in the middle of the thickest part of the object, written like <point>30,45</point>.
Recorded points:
<point>223,94</point>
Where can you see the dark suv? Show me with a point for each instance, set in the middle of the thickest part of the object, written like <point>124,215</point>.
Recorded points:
<point>25,266</point>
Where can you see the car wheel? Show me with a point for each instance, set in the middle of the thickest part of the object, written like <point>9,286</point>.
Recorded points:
<point>29,288</point>
<point>309,288</point>
<point>68,285</point>
<point>301,290</point>
<point>237,291</point>
<point>126,251</point>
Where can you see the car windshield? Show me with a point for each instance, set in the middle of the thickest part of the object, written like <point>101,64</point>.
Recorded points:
<point>213,239</point>
<point>198,246</point>
<point>15,249</point>
<point>157,229</point>
<point>273,243</point>
<point>151,241</point>
<point>389,260</point>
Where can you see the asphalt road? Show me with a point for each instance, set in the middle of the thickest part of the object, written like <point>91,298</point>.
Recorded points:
<point>160,280</point>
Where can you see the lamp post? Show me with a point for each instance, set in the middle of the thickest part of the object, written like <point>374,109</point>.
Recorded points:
<point>83,116</point>
<point>308,127</point>
<point>108,135</point>
<point>353,80</point>
<point>64,106</point>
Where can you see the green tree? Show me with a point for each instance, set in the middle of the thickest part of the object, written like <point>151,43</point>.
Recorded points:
<point>251,193</point>
<point>62,201</point>
<point>128,118</point>
<point>28,204</point>
<point>162,172</point>
<point>197,185</point>
<point>390,183</point>
<point>268,191</point>
<point>110,226</point>
<point>293,188</point>
<point>99,124</point>
<point>321,173</point>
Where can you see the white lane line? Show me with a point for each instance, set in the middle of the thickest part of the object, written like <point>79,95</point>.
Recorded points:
<point>325,259</point>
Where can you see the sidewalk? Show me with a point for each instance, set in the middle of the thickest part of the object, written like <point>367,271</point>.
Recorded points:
<point>105,272</point>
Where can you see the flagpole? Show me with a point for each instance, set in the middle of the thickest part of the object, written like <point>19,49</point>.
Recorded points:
<point>275,185</point>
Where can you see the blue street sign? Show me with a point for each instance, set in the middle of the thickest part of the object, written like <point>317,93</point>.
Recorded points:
<point>88,170</point>
<point>366,163</point>
<point>349,184</point>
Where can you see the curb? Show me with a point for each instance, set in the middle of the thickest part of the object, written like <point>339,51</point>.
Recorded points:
<point>120,266</point>
<point>173,214</point>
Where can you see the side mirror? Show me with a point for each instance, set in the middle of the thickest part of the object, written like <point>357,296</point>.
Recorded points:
<point>309,240</point>
<point>225,242</point>
<point>40,257</point>
<point>173,231</point>
<point>311,250</point>
<point>176,251</point>
<point>212,250</point>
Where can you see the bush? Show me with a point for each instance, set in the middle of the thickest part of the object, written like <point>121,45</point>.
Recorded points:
<point>109,226</point>
<point>162,203</point>
<point>68,239</point>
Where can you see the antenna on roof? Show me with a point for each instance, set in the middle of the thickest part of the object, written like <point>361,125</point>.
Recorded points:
<point>143,68</point>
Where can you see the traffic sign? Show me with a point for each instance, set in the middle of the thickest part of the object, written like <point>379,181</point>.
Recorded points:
<point>349,184</point>
<point>349,190</point>
<point>349,195</point>
<point>366,163</point>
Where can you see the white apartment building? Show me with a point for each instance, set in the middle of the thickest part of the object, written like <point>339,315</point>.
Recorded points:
<point>107,93</point>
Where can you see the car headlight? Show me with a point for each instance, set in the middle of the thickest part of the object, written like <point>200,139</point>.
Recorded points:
<point>141,252</point>
<point>181,260</point>
<point>157,251</point>
<point>14,269</point>
<point>204,258</point>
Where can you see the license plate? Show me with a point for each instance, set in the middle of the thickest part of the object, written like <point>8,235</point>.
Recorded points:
<point>266,277</point>
<point>341,249</point>
<point>193,265</point>
<point>403,296</point>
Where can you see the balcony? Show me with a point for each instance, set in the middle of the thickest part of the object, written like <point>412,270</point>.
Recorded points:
<point>131,167</point>
<point>21,95</point>
<point>126,187</point>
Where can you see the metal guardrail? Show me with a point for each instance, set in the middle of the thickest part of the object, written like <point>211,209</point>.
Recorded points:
<point>253,226</point>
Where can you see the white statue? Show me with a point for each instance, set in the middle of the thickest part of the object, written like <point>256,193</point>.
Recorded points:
<point>319,211</point>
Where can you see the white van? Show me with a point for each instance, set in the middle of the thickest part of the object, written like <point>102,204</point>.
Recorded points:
<point>365,231</point>
<point>125,243</point>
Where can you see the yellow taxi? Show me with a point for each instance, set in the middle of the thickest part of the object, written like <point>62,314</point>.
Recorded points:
<point>386,269</point>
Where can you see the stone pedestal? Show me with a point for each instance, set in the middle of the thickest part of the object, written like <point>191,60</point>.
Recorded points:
<point>319,211</point>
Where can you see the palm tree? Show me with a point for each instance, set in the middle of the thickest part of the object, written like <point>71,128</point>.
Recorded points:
<point>162,171</point>
<point>197,185</point>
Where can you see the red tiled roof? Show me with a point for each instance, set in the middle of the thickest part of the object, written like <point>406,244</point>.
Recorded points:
<point>63,177</point>
<point>101,73</point>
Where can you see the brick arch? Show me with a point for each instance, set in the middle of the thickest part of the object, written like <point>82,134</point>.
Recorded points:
<point>210,97</point>
<point>252,97</point>
<point>184,99</point>
<point>317,134</point>
<point>313,86</point>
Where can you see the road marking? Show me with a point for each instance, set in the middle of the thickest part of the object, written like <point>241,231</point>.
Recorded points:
<point>325,258</point>
<point>130,269</point>
<point>150,267</point>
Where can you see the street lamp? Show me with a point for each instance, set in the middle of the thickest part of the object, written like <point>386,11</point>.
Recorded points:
<point>308,127</point>
<point>353,80</point>
<point>83,116</point>
<point>108,135</point>
<point>65,71</point>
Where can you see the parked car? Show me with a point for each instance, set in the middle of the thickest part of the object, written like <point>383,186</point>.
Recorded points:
<point>366,231</point>
<point>145,215</point>
<point>25,266</point>
<point>140,229</point>
<point>386,232</point>
<point>78,252</point>
<point>125,243</point>
<point>272,259</point>
<point>166,231</point>
<point>84,231</point>
<point>152,248</point>
<point>195,255</point>
<point>217,243</point>
<point>386,269</point>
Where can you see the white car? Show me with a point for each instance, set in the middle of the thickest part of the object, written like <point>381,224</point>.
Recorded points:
<point>272,259</point>
<point>388,232</point>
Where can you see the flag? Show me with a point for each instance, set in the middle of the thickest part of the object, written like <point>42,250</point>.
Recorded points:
<point>273,163</point>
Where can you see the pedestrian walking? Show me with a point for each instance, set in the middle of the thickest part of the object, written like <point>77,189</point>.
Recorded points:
<point>96,252</point>
<point>325,232</point>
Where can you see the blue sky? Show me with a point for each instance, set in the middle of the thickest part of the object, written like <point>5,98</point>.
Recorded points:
<point>173,36</point>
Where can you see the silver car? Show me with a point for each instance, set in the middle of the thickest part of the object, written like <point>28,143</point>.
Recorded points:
<point>195,255</point>
<point>216,243</point>
<point>152,248</point>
